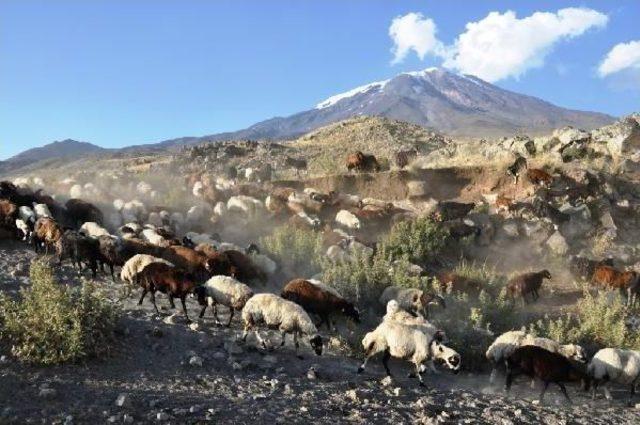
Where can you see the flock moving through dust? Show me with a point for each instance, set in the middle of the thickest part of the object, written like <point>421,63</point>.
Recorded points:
<point>168,250</point>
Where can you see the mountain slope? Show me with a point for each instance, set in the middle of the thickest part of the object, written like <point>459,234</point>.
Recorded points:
<point>60,149</point>
<point>457,105</point>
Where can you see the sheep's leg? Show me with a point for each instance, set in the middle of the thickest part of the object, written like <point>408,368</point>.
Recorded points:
<point>153,300</point>
<point>564,391</point>
<point>171,303</point>
<point>245,333</point>
<point>385,361</point>
<point>594,387</point>
<point>202,311</point>
<point>297,345</point>
<point>363,365</point>
<point>144,293</point>
<point>544,390</point>
<point>494,374</point>
<point>509,380</point>
<point>113,276</point>
<point>215,313</point>
<point>607,393</point>
<point>184,308</point>
<point>418,368</point>
<point>231,311</point>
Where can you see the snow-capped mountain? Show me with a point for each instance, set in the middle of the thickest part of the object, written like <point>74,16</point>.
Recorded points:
<point>458,105</point>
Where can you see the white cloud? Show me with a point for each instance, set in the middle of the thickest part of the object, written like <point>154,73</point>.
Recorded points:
<point>623,56</point>
<point>413,32</point>
<point>501,45</point>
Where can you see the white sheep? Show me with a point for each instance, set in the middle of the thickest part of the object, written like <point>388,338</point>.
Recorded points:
<point>397,314</point>
<point>93,229</point>
<point>223,183</point>
<point>312,222</point>
<point>75,191</point>
<point>277,313</point>
<point>229,246</point>
<point>152,236</point>
<point>133,211</point>
<point>223,290</point>
<point>133,226</point>
<point>22,226</point>
<point>41,210</point>
<point>412,300</point>
<point>198,238</point>
<point>246,204</point>
<point>220,209</point>
<point>345,200</point>
<point>198,189</point>
<point>406,342</point>
<point>614,365</point>
<point>27,214</point>
<point>348,219</point>
<point>508,342</point>
<point>136,264</point>
<point>118,204</point>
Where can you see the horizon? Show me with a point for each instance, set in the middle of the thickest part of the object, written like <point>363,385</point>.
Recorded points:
<point>99,73</point>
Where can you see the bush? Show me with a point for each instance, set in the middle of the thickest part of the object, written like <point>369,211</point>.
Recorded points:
<point>363,279</point>
<point>51,323</point>
<point>600,321</point>
<point>419,241</point>
<point>471,325</point>
<point>491,281</point>
<point>297,250</point>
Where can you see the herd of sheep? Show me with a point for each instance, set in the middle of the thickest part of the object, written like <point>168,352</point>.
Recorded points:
<point>170,252</point>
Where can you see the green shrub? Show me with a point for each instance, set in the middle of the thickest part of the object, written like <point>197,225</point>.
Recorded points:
<point>419,240</point>
<point>298,251</point>
<point>51,323</point>
<point>491,281</point>
<point>471,325</point>
<point>598,322</point>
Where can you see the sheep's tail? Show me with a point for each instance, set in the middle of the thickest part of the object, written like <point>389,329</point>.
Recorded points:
<point>368,343</point>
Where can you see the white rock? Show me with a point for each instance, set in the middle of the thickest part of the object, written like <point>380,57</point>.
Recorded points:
<point>195,361</point>
<point>122,400</point>
<point>557,244</point>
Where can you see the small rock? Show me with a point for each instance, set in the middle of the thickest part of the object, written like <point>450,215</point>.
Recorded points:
<point>236,366</point>
<point>122,400</point>
<point>4,359</point>
<point>112,419</point>
<point>194,326</point>
<point>351,395</point>
<point>219,355</point>
<point>162,416</point>
<point>47,392</point>
<point>195,361</point>
<point>304,409</point>
<point>68,420</point>
<point>195,408</point>
<point>127,419</point>
<point>386,381</point>
<point>311,373</point>
<point>170,320</point>
<point>157,332</point>
<point>396,391</point>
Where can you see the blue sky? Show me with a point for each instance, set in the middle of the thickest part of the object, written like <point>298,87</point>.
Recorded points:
<point>117,73</point>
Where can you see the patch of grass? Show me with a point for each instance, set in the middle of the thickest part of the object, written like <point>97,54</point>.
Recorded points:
<point>297,250</point>
<point>51,323</point>
<point>600,321</point>
<point>419,241</point>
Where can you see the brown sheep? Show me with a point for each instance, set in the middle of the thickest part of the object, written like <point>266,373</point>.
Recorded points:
<point>583,268</point>
<point>362,162</point>
<point>318,299</point>
<point>607,277</point>
<point>243,268</point>
<point>451,210</point>
<point>536,362</point>
<point>404,157</point>
<point>197,263</point>
<point>46,231</point>
<point>527,283</point>
<point>166,279</point>
<point>82,211</point>
<point>539,177</point>
<point>8,214</point>
<point>457,283</point>
<point>504,204</point>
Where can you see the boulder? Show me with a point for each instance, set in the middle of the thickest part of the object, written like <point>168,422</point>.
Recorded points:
<point>621,137</point>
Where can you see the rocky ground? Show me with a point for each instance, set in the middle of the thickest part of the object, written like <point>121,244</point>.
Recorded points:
<point>164,371</point>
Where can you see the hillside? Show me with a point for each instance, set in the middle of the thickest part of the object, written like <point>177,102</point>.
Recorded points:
<point>64,149</point>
